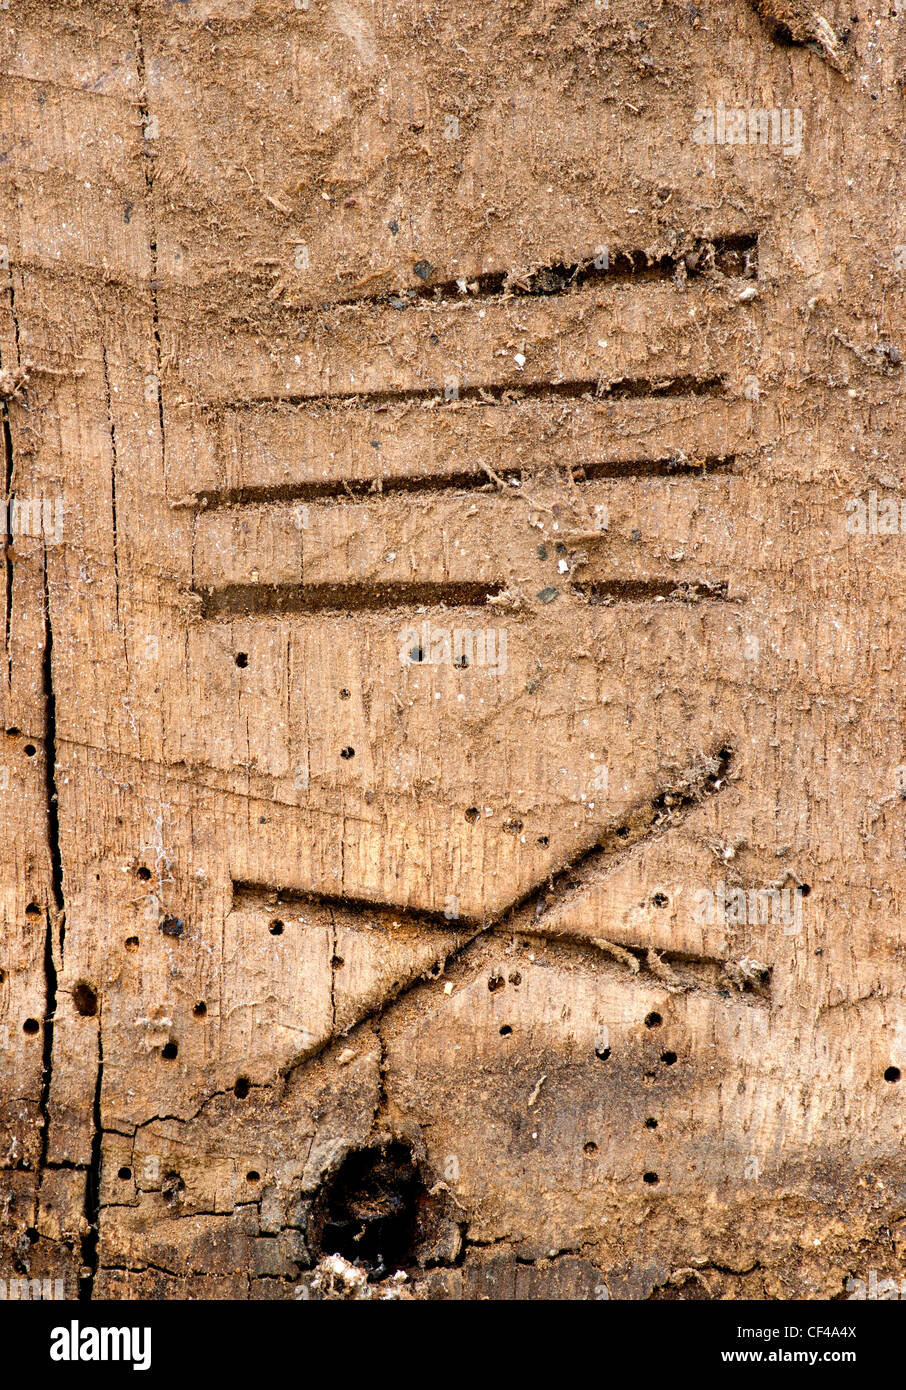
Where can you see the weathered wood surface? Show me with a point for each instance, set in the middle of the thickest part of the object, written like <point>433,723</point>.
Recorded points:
<point>321,916</point>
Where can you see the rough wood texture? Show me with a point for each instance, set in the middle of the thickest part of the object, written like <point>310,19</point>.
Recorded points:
<point>453,771</point>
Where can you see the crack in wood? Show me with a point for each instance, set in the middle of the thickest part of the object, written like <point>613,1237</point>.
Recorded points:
<point>152,282</point>
<point>91,1236</point>
<point>7,537</point>
<point>8,480</point>
<point>54,910</point>
<point>113,472</point>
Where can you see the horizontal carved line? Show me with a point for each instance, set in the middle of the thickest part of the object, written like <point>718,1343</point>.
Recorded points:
<point>731,255</point>
<point>677,971</point>
<point>252,600</point>
<point>352,489</point>
<point>471,480</point>
<point>650,590</point>
<point>675,466</point>
<point>511,393</point>
<point>258,600</point>
<point>265,897</point>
